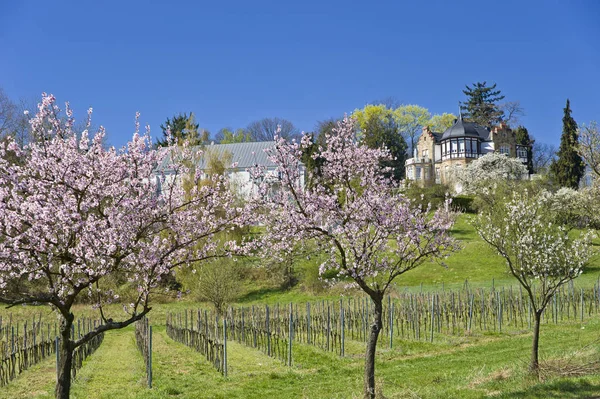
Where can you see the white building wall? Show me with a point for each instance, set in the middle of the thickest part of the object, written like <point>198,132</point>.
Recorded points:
<point>486,147</point>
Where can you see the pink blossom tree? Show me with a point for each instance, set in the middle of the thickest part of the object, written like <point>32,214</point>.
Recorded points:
<point>539,252</point>
<point>74,215</point>
<point>371,232</point>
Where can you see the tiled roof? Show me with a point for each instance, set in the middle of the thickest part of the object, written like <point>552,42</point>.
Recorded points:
<point>466,129</point>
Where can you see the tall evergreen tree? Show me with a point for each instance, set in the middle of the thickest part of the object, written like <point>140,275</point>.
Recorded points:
<point>481,106</point>
<point>182,127</point>
<point>522,138</point>
<point>569,168</point>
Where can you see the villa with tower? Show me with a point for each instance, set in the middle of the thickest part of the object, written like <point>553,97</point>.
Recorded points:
<point>437,154</point>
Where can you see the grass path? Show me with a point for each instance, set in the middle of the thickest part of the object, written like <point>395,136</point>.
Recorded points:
<point>115,370</point>
<point>36,382</point>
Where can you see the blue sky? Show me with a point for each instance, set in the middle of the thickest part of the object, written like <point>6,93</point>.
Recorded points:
<point>232,62</point>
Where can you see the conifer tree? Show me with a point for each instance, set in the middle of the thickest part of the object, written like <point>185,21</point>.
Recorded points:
<point>522,137</point>
<point>481,106</point>
<point>568,168</point>
<point>182,127</point>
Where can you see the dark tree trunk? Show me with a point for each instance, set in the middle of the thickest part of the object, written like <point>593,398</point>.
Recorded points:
<point>371,347</point>
<point>65,359</point>
<point>535,365</point>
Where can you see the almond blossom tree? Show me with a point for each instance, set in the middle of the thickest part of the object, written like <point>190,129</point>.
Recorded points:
<point>538,252</point>
<point>74,216</point>
<point>372,233</point>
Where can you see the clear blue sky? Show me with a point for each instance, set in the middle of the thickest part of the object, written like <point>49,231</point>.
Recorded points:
<point>232,62</point>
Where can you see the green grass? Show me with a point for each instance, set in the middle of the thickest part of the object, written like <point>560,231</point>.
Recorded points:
<point>466,367</point>
<point>471,366</point>
<point>476,263</point>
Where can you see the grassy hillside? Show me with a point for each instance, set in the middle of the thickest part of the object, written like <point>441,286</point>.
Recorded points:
<point>475,263</point>
<point>477,365</point>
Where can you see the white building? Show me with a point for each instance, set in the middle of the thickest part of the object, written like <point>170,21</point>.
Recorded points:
<point>436,154</point>
<point>244,156</point>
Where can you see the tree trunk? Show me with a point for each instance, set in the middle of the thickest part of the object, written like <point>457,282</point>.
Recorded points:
<point>65,359</point>
<point>534,365</point>
<point>371,347</point>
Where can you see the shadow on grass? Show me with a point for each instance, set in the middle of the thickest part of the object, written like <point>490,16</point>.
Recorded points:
<point>564,389</point>
<point>592,269</point>
<point>260,294</point>
<point>462,234</point>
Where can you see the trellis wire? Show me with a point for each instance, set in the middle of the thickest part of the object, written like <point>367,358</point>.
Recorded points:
<point>201,336</point>
<point>22,346</point>
<point>143,339</point>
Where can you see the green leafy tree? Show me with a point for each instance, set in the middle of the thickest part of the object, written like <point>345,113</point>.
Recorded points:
<point>522,138</point>
<point>568,169</point>
<point>229,136</point>
<point>440,123</point>
<point>182,127</point>
<point>379,127</point>
<point>312,162</point>
<point>410,120</point>
<point>481,106</point>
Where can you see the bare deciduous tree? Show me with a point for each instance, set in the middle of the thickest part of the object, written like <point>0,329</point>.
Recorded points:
<point>512,111</point>
<point>266,129</point>
<point>543,155</point>
<point>589,146</point>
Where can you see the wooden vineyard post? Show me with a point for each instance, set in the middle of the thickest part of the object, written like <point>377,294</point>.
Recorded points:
<point>290,336</point>
<point>391,321</point>
<point>253,328</point>
<point>342,349</point>
<point>268,330</point>
<point>149,366</point>
<point>308,323</point>
<point>432,315</point>
<point>243,329</point>
<point>57,357</point>
<point>582,305</point>
<point>225,346</point>
<point>328,325</point>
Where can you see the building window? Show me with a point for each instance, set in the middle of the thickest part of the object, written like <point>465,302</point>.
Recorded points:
<point>522,152</point>
<point>437,175</point>
<point>504,149</point>
<point>474,147</point>
<point>426,174</point>
<point>418,175</point>
<point>461,146</point>
<point>425,154</point>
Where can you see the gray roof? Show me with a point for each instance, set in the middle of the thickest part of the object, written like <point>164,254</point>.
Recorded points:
<point>245,154</point>
<point>437,136</point>
<point>466,129</point>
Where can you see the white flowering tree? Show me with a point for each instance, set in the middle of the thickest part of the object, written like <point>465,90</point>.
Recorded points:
<point>482,173</point>
<point>371,233</point>
<point>74,215</point>
<point>538,252</point>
